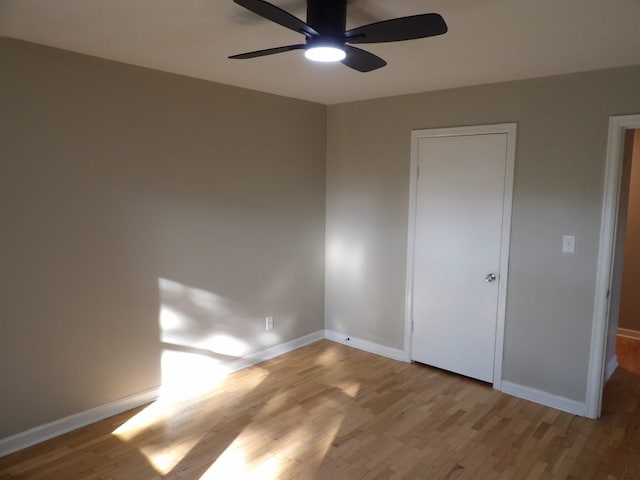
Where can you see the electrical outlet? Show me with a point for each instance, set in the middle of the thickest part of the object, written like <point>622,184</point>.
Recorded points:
<point>269,323</point>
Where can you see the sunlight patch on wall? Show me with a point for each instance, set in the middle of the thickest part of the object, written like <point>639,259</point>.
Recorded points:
<point>345,258</point>
<point>170,320</point>
<point>187,375</point>
<point>195,318</point>
<point>196,334</point>
<point>215,304</point>
<point>224,344</point>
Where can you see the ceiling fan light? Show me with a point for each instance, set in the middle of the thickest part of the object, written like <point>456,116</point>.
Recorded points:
<point>325,54</point>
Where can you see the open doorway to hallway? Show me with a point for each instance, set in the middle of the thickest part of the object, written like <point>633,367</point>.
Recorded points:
<point>625,302</point>
<point>624,314</point>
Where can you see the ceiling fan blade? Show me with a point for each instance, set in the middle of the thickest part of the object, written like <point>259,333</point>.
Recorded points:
<point>398,29</point>
<point>277,15</point>
<point>362,60</point>
<point>269,51</point>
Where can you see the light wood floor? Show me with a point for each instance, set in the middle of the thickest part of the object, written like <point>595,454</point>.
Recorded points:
<point>327,412</point>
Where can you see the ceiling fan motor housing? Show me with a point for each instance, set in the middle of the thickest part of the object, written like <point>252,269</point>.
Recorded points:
<point>328,18</point>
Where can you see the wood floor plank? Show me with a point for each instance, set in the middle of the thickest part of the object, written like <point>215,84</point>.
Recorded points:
<point>327,411</point>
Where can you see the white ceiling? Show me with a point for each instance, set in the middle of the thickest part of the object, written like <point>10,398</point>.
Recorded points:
<point>488,41</point>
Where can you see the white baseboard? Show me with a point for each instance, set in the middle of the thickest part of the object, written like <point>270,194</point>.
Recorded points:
<point>626,332</point>
<point>544,398</point>
<point>77,420</point>
<point>365,345</point>
<point>527,393</point>
<point>611,367</point>
<point>271,352</point>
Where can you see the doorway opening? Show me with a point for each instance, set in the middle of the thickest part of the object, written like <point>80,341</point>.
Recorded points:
<point>623,337</point>
<point>624,313</point>
<point>620,216</point>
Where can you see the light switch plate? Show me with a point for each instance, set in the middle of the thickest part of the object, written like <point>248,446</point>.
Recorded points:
<point>568,244</point>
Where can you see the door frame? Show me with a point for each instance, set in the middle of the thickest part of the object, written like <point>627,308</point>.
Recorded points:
<point>608,221</point>
<point>510,129</point>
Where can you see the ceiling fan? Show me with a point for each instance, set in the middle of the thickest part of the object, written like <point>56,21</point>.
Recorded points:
<point>327,39</point>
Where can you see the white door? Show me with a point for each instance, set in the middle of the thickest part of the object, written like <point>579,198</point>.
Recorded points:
<point>460,195</point>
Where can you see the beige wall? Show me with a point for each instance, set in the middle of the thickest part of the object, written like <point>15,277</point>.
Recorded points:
<point>125,190</point>
<point>113,177</point>
<point>560,153</point>
<point>629,299</point>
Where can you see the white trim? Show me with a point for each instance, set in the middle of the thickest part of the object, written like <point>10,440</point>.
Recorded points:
<point>77,420</point>
<point>615,145</point>
<point>511,130</point>
<point>411,241</point>
<point>269,353</point>
<point>611,368</point>
<point>626,332</point>
<point>366,345</point>
<point>544,398</point>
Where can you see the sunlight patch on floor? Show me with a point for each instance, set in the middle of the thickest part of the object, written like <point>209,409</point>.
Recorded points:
<point>164,458</point>
<point>275,404</point>
<point>293,444</point>
<point>151,415</point>
<point>328,358</point>
<point>350,388</point>
<point>263,451</point>
<point>234,464</point>
<point>167,414</point>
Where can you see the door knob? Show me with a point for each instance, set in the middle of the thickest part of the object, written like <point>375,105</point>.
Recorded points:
<point>491,277</point>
